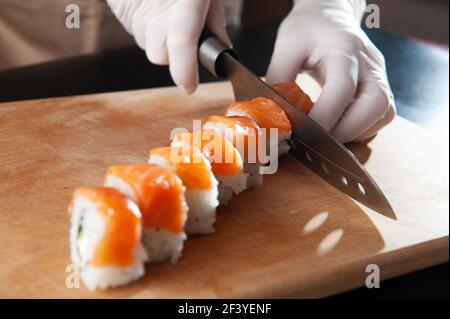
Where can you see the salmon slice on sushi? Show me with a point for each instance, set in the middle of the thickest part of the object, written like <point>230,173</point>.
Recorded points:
<point>244,133</point>
<point>195,172</point>
<point>294,94</point>
<point>105,237</point>
<point>226,162</point>
<point>160,195</point>
<point>268,115</point>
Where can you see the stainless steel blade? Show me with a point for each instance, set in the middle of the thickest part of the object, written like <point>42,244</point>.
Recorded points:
<point>315,147</point>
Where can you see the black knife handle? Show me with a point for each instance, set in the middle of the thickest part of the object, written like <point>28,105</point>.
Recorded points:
<point>210,51</point>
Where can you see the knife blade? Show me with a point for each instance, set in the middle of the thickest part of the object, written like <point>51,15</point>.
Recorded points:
<point>311,144</point>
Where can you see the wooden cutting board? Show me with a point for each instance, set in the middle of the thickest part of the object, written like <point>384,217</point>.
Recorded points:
<point>294,237</point>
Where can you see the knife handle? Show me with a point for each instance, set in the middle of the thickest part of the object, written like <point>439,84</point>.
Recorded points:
<point>210,51</point>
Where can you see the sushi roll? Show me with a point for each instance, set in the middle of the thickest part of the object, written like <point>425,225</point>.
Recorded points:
<point>294,94</point>
<point>159,194</point>
<point>105,237</point>
<point>226,162</point>
<point>268,115</point>
<point>195,172</point>
<point>244,133</point>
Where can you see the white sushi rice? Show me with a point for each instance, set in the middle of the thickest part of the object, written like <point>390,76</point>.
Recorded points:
<point>83,245</point>
<point>202,210</point>
<point>255,178</point>
<point>160,244</point>
<point>202,203</point>
<point>110,277</point>
<point>229,185</point>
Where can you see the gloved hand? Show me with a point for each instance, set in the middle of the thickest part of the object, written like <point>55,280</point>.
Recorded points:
<point>169,30</point>
<point>324,38</point>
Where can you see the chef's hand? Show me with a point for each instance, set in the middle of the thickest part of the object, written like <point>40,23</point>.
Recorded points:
<point>324,37</point>
<point>169,30</point>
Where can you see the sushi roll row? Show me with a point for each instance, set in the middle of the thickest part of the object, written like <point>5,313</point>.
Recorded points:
<point>144,212</point>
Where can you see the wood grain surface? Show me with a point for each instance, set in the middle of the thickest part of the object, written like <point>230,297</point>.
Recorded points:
<point>294,237</point>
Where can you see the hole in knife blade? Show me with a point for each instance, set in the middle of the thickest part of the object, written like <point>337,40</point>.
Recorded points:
<point>361,189</point>
<point>344,180</point>
<point>325,169</point>
<point>308,156</point>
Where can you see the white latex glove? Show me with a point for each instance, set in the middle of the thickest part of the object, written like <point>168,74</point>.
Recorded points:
<point>169,30</point>
<point>324,37</point>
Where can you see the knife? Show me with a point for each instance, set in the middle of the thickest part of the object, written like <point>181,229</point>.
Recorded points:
<point>311,144</point>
